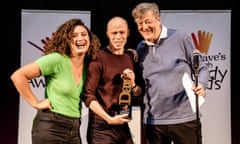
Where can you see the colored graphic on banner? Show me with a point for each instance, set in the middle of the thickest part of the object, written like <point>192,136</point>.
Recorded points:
<point>203,42</point>
<point>44,41</point>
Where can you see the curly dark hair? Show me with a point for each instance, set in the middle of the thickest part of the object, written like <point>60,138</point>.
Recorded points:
<point>61,39</point>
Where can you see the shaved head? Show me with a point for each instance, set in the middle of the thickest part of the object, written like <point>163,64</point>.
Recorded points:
<point>117,21</point>
<point>117,33</point>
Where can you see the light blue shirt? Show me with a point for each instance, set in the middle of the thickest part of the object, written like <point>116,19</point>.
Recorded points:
<point>163,65</point>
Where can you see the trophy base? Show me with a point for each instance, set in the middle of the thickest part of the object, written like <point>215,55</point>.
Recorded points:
<point>126,109</point>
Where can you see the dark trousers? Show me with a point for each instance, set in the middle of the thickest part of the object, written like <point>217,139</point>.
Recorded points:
<point>53,128</point>
<point>184,133</point>
<point>99,132</point>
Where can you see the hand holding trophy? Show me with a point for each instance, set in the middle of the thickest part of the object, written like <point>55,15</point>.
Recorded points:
<point>125,96</point>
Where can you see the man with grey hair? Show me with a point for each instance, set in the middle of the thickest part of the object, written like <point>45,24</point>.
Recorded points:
<point>165,55</point>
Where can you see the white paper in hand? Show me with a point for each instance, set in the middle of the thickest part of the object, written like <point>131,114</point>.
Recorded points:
<point>187,84</point>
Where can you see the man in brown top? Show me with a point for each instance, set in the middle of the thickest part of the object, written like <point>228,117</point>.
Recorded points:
<point>103,86</point>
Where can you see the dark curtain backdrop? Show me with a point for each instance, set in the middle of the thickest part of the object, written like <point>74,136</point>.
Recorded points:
<point>101,11</point>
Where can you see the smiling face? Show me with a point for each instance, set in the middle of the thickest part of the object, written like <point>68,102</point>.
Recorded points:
<point>80,40</point>
<point>149,26</point>
<point>117,33</point>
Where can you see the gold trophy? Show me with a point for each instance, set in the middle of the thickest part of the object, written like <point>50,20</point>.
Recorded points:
<point>125,97</point>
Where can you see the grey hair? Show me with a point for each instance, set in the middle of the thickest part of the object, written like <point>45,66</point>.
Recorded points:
<point>142,8</point>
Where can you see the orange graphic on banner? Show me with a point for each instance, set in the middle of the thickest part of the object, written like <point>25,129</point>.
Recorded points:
<point>203,41</point>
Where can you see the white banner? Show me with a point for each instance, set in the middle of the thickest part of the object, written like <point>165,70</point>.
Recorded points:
<point>37,25</point>
<point>212,32</point>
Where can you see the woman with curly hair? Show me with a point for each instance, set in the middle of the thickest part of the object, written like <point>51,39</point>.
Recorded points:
<point>63,65</point>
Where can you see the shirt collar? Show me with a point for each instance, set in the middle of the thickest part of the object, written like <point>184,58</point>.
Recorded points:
<point>163,33</point>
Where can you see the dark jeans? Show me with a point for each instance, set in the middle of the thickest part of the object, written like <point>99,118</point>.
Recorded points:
<point>53,128</point>
<point>99,132</point>
<point>185,133</point>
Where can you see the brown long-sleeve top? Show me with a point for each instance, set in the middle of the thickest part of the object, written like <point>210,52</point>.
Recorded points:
<point>103,82</point>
